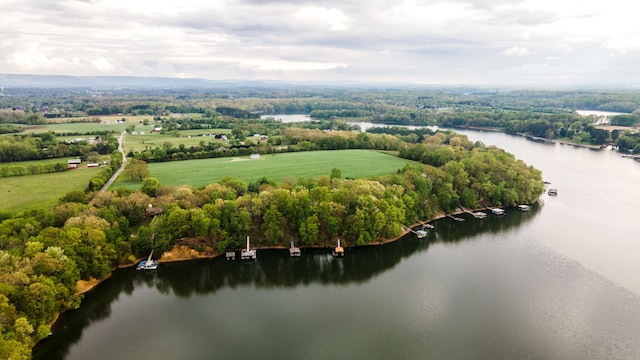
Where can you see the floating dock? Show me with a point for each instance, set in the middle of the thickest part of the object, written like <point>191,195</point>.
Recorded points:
<point>294,251</point>
<point>248,254</point>
<point>455,218</point>
<point>338,251</point>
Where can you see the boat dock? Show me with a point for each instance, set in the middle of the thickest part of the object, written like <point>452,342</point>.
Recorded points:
<point>148,264</point>
<point>419,233</point>
<point>248,254</point>
<point>294,251</point>
<point>455,218</point>
<point>338,251</point>
<point>427,225</point>
<point>477,214</point>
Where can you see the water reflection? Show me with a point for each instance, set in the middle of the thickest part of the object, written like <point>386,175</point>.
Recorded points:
<point>273,269</point>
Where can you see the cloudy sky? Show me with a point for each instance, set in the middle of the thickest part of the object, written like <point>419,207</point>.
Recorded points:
<point>533,42</point>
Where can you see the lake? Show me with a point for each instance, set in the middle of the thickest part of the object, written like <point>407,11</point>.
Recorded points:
<point>558,282</point>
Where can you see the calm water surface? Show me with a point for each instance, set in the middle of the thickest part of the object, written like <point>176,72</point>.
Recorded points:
<point>558,282</point>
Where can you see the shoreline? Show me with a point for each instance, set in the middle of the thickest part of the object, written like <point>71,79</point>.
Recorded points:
<point>185,253</point>
<point>531,137</point>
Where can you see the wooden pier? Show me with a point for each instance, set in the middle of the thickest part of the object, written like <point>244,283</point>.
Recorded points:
<point>338,251</point>
<point>248,254</point>
<point>455,218</point>
<point>294,251</point>
<point>419,233</point>
<point>477,215</point>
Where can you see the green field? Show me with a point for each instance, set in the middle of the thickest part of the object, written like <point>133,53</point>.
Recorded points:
<point>76,128</point>
<point>151,140</point>
<point>352,163</point>
<point>41,191</point>
<point>36,162</point>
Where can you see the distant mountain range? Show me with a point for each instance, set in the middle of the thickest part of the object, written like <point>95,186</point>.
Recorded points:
<point>122,82</point>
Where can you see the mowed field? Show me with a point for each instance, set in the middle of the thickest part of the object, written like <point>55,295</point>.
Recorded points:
<point>308,164</point>
<point>19,193</point>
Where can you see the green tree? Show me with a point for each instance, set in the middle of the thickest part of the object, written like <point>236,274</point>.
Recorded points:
<point>335,174</point>
<point>271,227</point>
<point>137,170</point>
<point>150,186</point>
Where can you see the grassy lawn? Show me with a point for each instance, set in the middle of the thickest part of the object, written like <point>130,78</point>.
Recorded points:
<point>41,191</point>
<point>352,163</point>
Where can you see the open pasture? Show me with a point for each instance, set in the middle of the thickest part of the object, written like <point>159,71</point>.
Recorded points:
<point>314,164</point>
<point>63,128</point>
<point>144,138</point>
<point>41,191</point>
<point>36,162</point>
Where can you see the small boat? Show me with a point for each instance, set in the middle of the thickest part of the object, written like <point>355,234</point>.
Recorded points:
<point>421,233</point>
<point>428,226</point>
<point>294,251</point>
<point>338,251</point>
<point>524,207</point>
<point>148,264</point>
<point>248,254</point>
<point>230,255</point>
<point>479,215</point>
<point>553,192</point>
<point>498,211</point>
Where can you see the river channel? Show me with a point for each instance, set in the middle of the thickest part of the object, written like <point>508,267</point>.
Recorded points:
<point>561,281</point>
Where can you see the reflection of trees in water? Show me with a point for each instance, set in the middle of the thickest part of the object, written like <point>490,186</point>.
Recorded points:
<point>96,306</point>
<point>273,269</point>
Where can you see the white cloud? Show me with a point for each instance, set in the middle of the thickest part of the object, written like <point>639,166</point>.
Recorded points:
<point>516,51</point>
<point>452,41</point>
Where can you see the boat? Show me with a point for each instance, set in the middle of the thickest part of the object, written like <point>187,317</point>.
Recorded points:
<point>230,255</point>
<point>338,251</point>
<point>248,254</point>
<point>479,215</point>
<point>148,264</point>
<point>498,211</point>
<point>421,233</point>
<point>294,251</point>
<point>553,192</point>
<point>524,207</point>
<point>428,226</point>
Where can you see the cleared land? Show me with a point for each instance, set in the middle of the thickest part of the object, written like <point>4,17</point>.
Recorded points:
<point>314,164</point>
<point>19,193</point>
<point>76,128</point>
<point>145,139</point>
